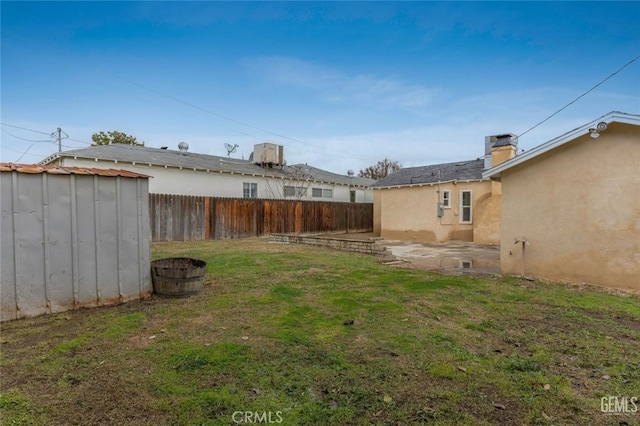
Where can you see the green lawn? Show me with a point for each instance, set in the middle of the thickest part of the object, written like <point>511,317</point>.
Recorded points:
<point>267,336</point>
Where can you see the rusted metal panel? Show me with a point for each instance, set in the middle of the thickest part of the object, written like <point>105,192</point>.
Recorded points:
<point>71,240</point>
<point>59,170</point>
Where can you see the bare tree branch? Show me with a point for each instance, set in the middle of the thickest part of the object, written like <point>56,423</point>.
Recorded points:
<point>380,169</point>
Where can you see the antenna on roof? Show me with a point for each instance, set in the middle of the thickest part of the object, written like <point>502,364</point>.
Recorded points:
<point>231,148</point>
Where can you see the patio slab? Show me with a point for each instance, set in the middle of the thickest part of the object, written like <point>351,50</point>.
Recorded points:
<point>456,257</point>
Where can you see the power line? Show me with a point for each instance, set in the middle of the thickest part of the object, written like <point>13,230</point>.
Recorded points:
<point>28,140</point>
<point>236,121</point>
<point>21,152</point>
<point>25,153</point>
<point>186,115</point>
<point>582,95</point>
<point>24,128</point>
<point>43,133</point>
<point>77,140</point>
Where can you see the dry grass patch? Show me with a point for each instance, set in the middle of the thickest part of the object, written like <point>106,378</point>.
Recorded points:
<point>325,337</point>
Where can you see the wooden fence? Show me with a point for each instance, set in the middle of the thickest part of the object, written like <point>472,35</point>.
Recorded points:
<point>188,218</point>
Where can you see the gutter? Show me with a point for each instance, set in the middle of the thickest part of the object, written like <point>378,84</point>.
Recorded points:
<point>411,185</point>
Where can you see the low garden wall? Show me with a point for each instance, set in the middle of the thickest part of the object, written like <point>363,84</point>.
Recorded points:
<point>373,247</point>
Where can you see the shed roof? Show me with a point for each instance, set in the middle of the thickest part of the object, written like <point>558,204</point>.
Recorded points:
<point>59,170</point>
<point>203,162</point>
<point>614,116</point>
<point>447,172</point>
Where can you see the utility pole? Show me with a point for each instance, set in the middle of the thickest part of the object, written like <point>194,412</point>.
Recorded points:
<point>59,137</point>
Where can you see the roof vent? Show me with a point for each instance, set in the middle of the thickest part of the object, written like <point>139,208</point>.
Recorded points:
<point>350,173</point>
<point>164,147</point>
<point>183,147</point>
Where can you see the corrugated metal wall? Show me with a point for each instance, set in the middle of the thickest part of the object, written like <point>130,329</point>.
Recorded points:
<point>71,241</point>
<point>190,218</point>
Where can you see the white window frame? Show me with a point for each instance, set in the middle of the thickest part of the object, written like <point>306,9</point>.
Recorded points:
<point>470,206</point>
<point>321,192</point>
<point>446,199</point>
<point>289,188</point>
<point>295,191</point>
<point>250,188</point>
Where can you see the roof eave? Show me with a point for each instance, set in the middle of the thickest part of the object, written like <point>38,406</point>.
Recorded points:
<point>411,185</point>
<point>58,155</point>
<point>615,116</point>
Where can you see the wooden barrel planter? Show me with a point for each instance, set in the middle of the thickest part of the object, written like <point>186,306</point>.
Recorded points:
<point>178,276</point>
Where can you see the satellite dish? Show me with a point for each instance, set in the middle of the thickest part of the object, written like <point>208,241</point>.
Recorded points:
<point>231,148</point>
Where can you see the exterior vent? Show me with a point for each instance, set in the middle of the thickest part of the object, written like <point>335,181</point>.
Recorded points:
<point>183,147</point>
<point>495,141</point>
<point>499,140</point>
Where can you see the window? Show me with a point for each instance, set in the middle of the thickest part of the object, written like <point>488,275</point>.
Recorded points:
<point>295,191</point>
<point>249,190</point>
<point>446,199</point>
<point>321,193</point>
<point>465,206</point>
<point>352,195</point>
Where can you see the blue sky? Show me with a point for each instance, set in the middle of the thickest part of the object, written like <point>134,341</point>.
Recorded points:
<point>340,84</point>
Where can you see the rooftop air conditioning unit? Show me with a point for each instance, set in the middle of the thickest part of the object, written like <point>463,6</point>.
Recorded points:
<point>268,153</point>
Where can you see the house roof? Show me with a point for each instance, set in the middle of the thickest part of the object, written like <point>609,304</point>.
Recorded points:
<point>140,155</point>
<point>614,116</point>
<point>325,176</point>
<point>447,172</point>
<point>58,170</point>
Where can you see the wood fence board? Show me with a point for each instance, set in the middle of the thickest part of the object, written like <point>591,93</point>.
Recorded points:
<point>191,218</point>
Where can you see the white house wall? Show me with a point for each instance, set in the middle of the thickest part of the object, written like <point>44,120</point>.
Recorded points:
<point>173,180</point>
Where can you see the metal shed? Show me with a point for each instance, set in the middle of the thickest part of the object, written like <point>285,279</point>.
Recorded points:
<point>71,237</point>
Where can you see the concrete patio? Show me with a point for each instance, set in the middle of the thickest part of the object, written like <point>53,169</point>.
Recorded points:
<point>455,257</point>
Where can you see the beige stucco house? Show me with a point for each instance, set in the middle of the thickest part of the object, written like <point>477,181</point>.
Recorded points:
<point>576,201</point>
<point>443,202</point>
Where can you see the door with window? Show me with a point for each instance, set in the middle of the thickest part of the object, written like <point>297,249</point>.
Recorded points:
<point>465,206</point>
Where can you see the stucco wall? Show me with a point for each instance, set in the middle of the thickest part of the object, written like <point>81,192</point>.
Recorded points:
<point>410,213</point>
<point>579,207</point>
<point>486,219</point>
<point>377,203</point>
<point>215,184</point>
